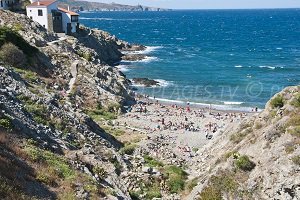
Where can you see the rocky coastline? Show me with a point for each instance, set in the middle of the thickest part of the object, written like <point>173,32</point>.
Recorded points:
<point>70,128</point>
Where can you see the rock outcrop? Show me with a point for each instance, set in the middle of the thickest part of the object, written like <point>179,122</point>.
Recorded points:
<point>260,158</point>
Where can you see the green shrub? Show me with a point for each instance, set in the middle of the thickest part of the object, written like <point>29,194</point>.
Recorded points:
<point>238,137</point>
<point>175,178</point>
<point>151,162</point>
<point>12,55</point>
<point>100,171</point>
<point>128,149</point>
<point>40,114</point>
<point>5,123</point>
<point>296,101</point>
<point>153,192</point>
<point>217,185</point>
<point>9,35</point>
<point>277,102</point>
<point>210,193</point>
<point>289,149</point>
<point>58,163</point>
<point>244,163</point>
<point>296,160</point>
<point>100,114</point>
<point>295,131</point>
<point>191,184</point>
<point>134,195</point>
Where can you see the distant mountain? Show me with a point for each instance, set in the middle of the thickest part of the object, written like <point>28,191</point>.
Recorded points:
<point>92,6</point>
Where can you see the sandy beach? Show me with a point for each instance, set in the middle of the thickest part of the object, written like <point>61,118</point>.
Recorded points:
<point>174,133</point>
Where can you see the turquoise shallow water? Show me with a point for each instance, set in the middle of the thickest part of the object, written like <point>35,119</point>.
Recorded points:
<point>234,58</point>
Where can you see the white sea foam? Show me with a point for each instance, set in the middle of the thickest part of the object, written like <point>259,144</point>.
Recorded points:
<point>149,49</point>
<point>279,48</point>
<point>147,59</point>
<point>123,68</point>
<point>181,39</point>
<point>233,103</point>
<point>269,67</point>
<point>164,83</point>
<point>161,83</point>
<point>234,106</point>
<point>238,66</point>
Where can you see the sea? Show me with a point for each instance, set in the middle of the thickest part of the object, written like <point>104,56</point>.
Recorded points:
<point>228,59</point>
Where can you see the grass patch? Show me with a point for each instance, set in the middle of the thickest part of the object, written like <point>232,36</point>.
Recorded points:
<point>56,163</point>
<point>176,178</point>
<point>277,102</point>
<point>5,122</point>
<point>238,137</point>
<point>40,113</point>
<point>113,131</point>
<point>296,101</point>
<point>191,184</point>
<point>9,35</point>
<point>100,114</point>
<point>27,74</point>
<point>296,160</point>
<point>151,162</point>
<point>289,149</point>
<point>223,183</point>
<point>128,149</point>
<point>244,163</point>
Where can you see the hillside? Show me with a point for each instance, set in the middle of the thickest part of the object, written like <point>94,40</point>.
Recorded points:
<point>97,6</point>
<point>260,159</point>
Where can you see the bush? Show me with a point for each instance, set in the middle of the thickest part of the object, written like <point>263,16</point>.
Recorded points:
<point>9,35</point>
<point>100,171</point>
<point>151,162</point>
<point>238,137</point>
<point>128,149</point>
<point>244,163</point>
<point>5,123</point>
<point>39,113</point>
<point>277,102</point>
<point>12,55</point>
<point>222,183</point>
<point>296,160</point>
<point>153,192</point>
<point>176,178</point>
<point>57,163</point>
<point>296,101</point>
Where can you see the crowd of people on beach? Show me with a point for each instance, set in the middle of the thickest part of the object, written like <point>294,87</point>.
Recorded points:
<point>179,118</point>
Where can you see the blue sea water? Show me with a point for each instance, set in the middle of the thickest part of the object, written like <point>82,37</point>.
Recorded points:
<point>235,58</point>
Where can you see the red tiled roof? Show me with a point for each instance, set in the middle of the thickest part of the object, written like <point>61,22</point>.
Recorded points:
<point>67,11</point>
<point>42,3</point>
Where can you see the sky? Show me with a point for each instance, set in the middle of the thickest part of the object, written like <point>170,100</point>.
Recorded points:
<point>210,4</point>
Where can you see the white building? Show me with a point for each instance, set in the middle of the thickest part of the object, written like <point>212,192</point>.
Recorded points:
<point>6,4</point>
<point>54,19</point>
<point>69,20</point>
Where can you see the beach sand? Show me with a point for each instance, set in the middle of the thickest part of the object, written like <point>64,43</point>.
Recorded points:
<point>174,133</point>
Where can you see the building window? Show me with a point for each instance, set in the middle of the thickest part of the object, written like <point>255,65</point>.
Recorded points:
<point>74,18</point>
<point>40,12</point>
<point>30,17</point>
<point>30,10</point>
<point>44,26</point>
<point>1,3</point>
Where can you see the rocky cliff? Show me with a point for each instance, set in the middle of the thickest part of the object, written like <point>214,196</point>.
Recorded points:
<point>258,159</point>
<point>47,106</point>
